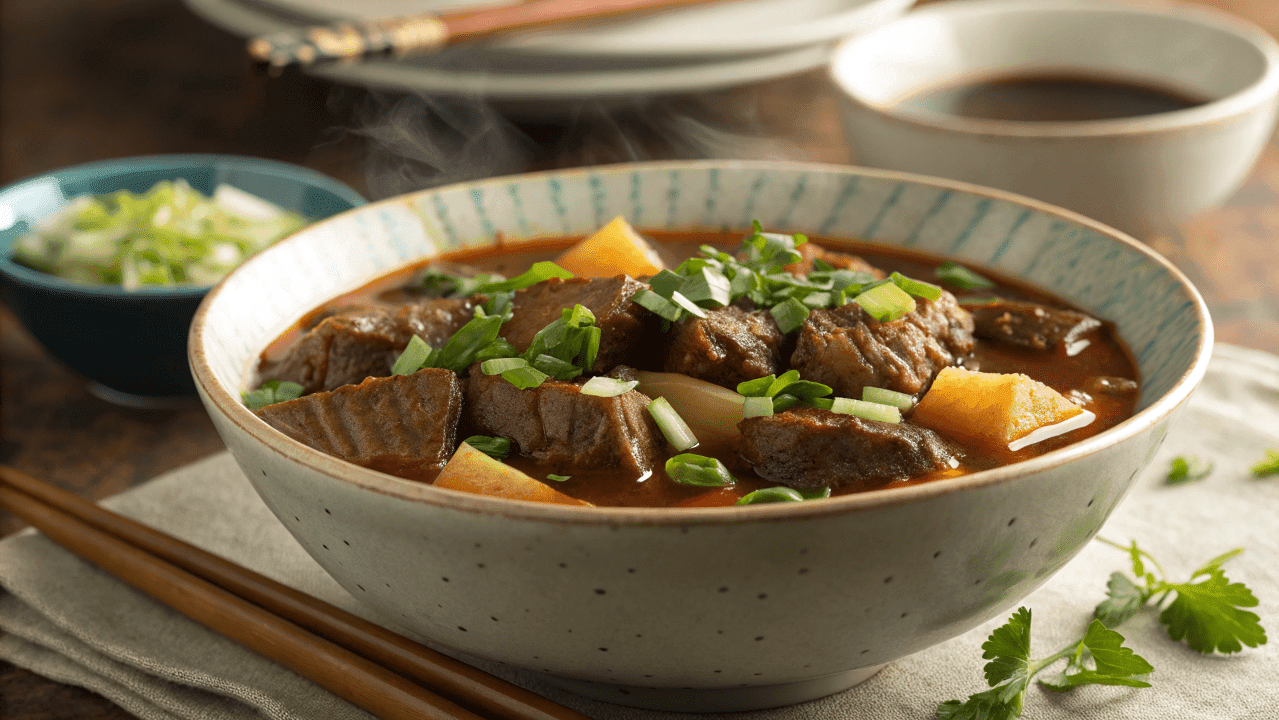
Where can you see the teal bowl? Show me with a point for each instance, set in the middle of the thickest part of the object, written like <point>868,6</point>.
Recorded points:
<point>131,346</point>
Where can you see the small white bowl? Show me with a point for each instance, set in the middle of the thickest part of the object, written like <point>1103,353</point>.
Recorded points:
<point>1141,174</point>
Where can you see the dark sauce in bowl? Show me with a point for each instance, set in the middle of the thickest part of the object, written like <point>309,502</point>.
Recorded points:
<point>1048,98</point>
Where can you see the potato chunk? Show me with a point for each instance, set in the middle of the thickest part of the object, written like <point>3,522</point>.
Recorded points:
<point>615,249</point>
<point>992,409</point>
<point>472,471</point>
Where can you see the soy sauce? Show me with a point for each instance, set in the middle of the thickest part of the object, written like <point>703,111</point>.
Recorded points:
<point>1048,98</point>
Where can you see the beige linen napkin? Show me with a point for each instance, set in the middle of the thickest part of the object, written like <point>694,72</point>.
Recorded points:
<point>66,620</point>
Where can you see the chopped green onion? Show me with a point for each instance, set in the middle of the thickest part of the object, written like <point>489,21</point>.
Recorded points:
<point>757,387</point>
<point>690,469</point>
<point>557,478</point>
<point>525,378</point>
<point>1188,468</point>
<point>777,493</point>
<point>804,389</point>
<point>886,302</point>
<point>1268,466</point>
<point>272,392</point>
<point>918,288</point>
<point>413,357</point>
<point>688,305</point>
<point>961,277</point>
<point>708,285</point>
<point>901,401</point>
<point>466,344</point>
<point>501,365</point>
<point>677,432</point>
<point>757,407</point>
<point>499,348</point>
<point>607,387</point>
<point>666,282</point>
<point>664,308</point>
<point>592,349</point>
<point>866,410</point>
<point>783,381</point>
<point>539,272</point>
<point>556,368</point>
<point>977,301</point>
<point>494,447</point>
<point>821,403</point>
<point>784,402</point>
<point>789,314</point>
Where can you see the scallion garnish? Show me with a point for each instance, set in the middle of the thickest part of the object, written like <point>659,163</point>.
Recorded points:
<point>690,469</point>
<point>466,344</point>
<point>655,303</point>
<point>757,407</point>
<point>757,387</point>
<point>789,314</point>
<point>525,378</point>
<point>961,277</point>
<point>557,478</point>
<point>821,403</point>
<point>1188,468</point>
<point>607,387</point>
<point>501,365</point>
<point>781,493</point>
<point>270,393</point>
<point>918,288</point>
<point>677,432</point>
<point>901,401</point>
<point>555,367</point>
<point>784,402</point>
<point>540,271</point>
<point>886,302</point>
<point>866,410</point>
<point>494,447</point>
<point>413,357</point>
<point>1267,466</point>
<point>707,285</point>
<point>783,381</point>
<point>687,305</point>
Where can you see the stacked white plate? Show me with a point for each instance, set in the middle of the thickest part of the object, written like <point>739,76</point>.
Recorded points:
<point>703,47</point>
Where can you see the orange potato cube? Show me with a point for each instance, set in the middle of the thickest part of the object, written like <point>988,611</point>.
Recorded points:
<point>472,471</point>
<point>993,409</point>
<point>615,249</point>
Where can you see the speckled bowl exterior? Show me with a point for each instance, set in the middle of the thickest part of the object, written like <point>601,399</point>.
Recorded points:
<point>711,608</point>
<point>132,345</point>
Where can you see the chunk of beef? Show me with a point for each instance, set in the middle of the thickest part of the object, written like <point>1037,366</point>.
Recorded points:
<point>363,341</point>
<point>1033,326</point>
<point>807,448</point>
<point>840,261</point>
<point>730,345</point>
<point>403,424</point>
<point>624,326</point>
<point>847,349</point>
<point>563,429</point>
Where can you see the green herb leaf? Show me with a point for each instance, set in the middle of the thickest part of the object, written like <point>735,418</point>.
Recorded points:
<point>1208,615</point>
<point>1188,468</point>
<point>271,392</point>
<point>1123,600</point>
<point>1268,466</point>
<point>961,277</point>
<point>691,469</point>
<point>537,273</point>
<point>495,447</point>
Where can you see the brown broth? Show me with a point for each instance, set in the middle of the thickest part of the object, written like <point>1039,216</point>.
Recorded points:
<point>1048,98</point>
<point>1105,355</point>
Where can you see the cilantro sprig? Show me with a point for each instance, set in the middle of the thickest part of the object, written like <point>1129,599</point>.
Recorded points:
<point>1207,613</point>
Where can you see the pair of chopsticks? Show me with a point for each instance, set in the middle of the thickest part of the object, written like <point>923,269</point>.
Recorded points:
<point>363,663</point>
<point>417,34</point>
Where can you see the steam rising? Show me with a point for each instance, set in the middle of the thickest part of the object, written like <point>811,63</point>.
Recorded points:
<point>416,141</point>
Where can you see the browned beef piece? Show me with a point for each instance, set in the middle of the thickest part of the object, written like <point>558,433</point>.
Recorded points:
<point>848,350</point>
<point>624,326</point>
<point>363,341</point>
<point>730,345</point>
<point>808,448</point>
<point>840,261</point>
<point>1032,325</point>
<point>563,429</point>
<point>402,424</point>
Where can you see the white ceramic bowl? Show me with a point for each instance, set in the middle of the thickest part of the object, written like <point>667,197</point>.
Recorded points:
<point>711,608</point>
<point>1141,174</point>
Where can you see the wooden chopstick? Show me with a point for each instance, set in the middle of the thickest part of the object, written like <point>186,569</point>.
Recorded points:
<point>353,658</point>
<point>418,34</point>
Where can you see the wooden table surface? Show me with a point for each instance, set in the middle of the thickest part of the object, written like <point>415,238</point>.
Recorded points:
<point>88,81</point>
